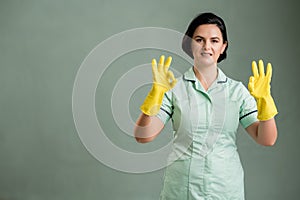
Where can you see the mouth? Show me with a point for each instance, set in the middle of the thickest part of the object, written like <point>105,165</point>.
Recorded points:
<point>206,54</point>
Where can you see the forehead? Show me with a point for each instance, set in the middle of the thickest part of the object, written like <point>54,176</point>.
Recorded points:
<point>208,30</point>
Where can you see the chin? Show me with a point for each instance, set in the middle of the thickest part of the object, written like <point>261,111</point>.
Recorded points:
<point>205,62</point>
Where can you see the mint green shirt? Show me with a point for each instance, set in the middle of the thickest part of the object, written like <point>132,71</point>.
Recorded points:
<point>204,163</point>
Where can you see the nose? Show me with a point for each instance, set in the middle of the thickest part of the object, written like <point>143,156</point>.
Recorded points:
<point>206,45</point>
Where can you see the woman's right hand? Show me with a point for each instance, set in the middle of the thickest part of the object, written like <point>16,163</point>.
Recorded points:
<point>163,80</point>
<point>161,74</point>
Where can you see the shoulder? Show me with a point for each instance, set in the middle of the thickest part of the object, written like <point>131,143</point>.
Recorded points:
<point>237,88</point>
<point>234,83</point>
<point>179,86</point>
<point>228,81</point>
<point>180,90</point>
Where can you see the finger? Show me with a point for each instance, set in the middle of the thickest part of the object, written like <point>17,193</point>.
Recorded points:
<point>269,71</point>
<point>161,63</point>
<point>173,83</point>
<point>167,64</point>
<point>154,68</point>
<point>261,68</point>
<point>171,78</point>
<point>254,69</point>
<point>251,84</point>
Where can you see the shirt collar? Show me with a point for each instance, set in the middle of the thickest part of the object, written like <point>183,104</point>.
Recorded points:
<point>190,76</point>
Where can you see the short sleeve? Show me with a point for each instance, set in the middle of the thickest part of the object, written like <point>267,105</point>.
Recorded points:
<point>166,109</point>
<point>248,109</point>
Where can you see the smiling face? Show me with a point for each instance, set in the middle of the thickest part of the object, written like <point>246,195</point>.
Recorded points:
<point>207,44</point>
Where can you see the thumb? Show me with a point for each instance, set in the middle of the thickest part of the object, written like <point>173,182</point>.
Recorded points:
<point>171,78</point>
<point>251,84</point>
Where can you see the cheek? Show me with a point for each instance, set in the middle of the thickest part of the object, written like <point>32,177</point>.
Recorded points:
<point>223,48</point>
<point>195,47</point>
<point>219,49</point>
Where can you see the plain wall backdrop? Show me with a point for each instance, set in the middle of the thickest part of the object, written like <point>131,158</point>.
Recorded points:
<point>42,45</point>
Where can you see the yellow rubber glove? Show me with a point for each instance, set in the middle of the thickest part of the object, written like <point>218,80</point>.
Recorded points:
<point>259,87</point>
<point>163,80</point>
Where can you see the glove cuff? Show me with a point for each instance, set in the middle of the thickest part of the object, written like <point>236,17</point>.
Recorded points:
<point>266,108</point>
<point>153,100</point>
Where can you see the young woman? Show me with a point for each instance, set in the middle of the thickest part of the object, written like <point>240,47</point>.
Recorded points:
<point>206,107</point>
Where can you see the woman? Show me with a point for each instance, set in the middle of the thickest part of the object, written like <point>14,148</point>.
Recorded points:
<point>206,107</point>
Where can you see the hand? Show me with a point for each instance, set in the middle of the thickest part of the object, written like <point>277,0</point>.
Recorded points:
<point>259,83</point>
<point>259,87</point>
<point>161,75</point>
<point>163,80</point>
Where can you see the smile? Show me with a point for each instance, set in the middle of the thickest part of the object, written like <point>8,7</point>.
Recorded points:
<point>206,54</point>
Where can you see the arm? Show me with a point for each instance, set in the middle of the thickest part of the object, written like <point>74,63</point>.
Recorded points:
<point>148,126</point>
<point>264,132</point>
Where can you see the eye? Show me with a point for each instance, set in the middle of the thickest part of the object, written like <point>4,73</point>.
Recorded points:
<point>215,41</point>
<point>198,40</point>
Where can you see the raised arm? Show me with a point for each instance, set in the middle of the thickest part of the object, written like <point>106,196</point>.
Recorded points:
<point>263,132</point>
<point>148,126</point>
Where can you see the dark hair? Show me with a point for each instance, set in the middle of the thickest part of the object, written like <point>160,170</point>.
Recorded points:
<point>204,18</point>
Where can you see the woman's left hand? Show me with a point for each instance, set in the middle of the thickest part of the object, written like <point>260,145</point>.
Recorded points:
<point>259,87</point>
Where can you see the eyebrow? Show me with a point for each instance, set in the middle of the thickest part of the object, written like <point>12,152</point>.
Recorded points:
<point>198,36</point>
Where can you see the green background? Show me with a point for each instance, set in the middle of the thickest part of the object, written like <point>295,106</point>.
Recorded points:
<point>42,45</point>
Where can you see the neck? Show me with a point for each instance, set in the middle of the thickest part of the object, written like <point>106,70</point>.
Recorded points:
<point>206,75</point>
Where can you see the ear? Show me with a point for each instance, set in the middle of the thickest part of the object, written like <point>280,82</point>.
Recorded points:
<point>223,47</point>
